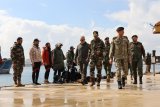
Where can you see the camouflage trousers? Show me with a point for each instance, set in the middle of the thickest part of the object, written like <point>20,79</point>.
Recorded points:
<point>83,70</point>
<point>17,72</point>
<point>148,68</point>
<point>137,65</point>
<point>130,68</point>
<point>107,67</point>
<point>121,68</point>
<point>96,64</point>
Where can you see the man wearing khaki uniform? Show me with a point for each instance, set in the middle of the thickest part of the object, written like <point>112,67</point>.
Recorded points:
<point>120,51</point>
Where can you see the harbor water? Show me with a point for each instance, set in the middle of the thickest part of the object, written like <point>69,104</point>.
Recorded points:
<point>6,79</point>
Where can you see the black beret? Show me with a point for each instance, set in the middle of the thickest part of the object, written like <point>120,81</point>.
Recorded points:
<point>134,36</point>
<point>119,29</point>
<point>71,47</point>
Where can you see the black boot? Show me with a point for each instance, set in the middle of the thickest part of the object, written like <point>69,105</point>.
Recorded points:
<point>119,85</point>
<point>123,81</point>
<point>98,80</point>
<point>92,81</point>
<point>140,80</point>
<point>83,82</point>
<point>135,80</point>
<point>19,84</point>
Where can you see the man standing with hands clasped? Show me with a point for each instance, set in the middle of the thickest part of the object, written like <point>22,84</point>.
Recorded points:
<point>18,61</point>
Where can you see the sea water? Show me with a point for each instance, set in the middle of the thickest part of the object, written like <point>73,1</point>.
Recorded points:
<point>7,79</point>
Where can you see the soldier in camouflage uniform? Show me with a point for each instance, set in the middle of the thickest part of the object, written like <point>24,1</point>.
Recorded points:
<point>137,51</point>
<point>107,65</point>
<point>120,51</point>
<point>18,61</point>
<point>70,57</point>
<point>96,55</point>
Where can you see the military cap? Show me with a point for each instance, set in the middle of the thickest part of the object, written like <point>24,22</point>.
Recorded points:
<point>134,36</point>
<point>72,47</point>
<point>119,29</point>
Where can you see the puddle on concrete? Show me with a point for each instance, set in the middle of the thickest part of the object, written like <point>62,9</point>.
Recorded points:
<point>107,95</point>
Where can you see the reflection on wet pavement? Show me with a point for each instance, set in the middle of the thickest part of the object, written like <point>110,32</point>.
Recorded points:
<point>75,95</point>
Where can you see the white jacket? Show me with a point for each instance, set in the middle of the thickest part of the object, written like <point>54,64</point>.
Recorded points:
<point>35,54</point>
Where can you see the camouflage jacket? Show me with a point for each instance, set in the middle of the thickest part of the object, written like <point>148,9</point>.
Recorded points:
<point>137,50</point>
<point>97,48</point>
<point>148,60</point>
<point>120,48</point>
<point>70,57</point>
<point>17,55</point>
<point>106,52</point>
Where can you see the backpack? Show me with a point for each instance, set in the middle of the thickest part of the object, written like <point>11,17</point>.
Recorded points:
<point>66,76</point>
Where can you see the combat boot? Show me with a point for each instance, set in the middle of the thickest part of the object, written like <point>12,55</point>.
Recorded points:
<point>108,78</point>
<point>98,80</point>
<point>19,84</point>
<point>83,82</point>
<point>123,81</point>
<point>15,82</point>
<point>119,85</point>
<point>140,80</point>
<point>135,80</point>
<point>92,81</point>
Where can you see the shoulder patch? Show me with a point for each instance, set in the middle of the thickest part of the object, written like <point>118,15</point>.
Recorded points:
<point>114,38</point>
<point>125,37</point>
<point>139,42</point>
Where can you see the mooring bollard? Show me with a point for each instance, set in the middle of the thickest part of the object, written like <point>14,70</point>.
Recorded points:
<point>153,60</point>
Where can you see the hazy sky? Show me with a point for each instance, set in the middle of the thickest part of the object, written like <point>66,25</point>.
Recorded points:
<point>66,20</point>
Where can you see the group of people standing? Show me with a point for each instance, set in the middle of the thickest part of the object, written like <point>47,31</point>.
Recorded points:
<point>125,54</point>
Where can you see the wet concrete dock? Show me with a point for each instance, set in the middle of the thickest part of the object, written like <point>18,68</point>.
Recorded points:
<point>76,95</point>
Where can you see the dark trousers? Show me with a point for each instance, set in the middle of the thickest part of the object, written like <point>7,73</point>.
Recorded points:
<point>68,67</point>
<point>58,71</point>
<point>58,77</point>
<point>47,67</point>
<point>137,65</point>
<point>83,70</point>
<point>35,73</point>
<point>148,68</point>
